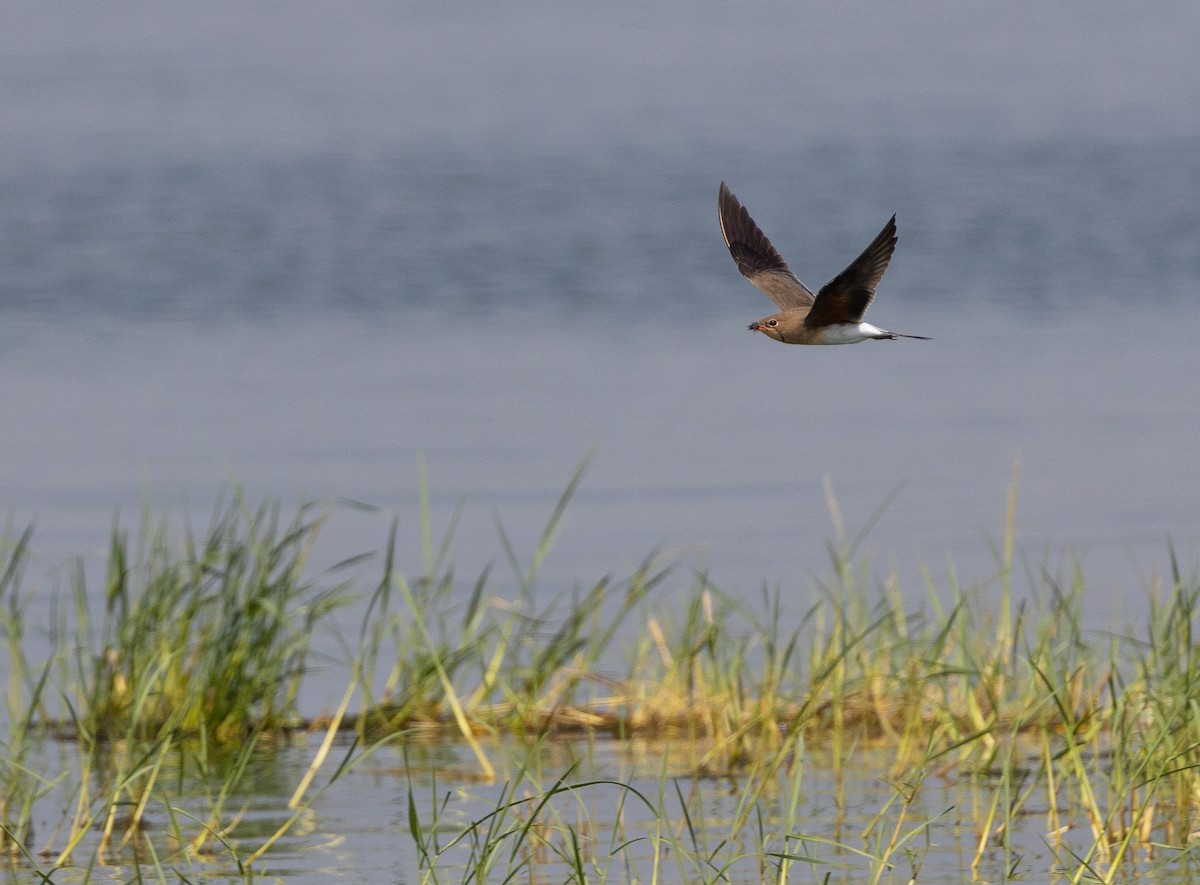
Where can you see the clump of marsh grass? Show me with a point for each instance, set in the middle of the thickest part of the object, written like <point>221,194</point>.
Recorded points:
<point>959,676</point>
<point>201,642</point>
<point>209,634</point>
<point>20,785</point>
<point>199,650</point>
<point>1010,695</point>
<point>1147,787</point>
<point>487,663</point>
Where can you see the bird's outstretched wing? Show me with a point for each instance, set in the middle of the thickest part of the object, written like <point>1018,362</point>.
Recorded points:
<point>756,258</point>
<point>846,297</point>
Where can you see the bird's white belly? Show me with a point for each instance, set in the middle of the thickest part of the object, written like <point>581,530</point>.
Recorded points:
<point>850,333</point>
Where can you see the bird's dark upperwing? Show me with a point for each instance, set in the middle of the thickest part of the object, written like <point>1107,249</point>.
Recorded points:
<point>846,297</point>
<point>756,258</point>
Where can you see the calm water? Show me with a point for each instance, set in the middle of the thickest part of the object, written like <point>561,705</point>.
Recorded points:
<point>358,830</point>
<point>294,247</point>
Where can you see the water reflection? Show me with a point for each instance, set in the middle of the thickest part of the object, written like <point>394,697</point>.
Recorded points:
<point>633,806</point>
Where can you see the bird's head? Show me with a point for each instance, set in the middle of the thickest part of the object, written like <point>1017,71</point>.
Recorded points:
<point>773,326</point>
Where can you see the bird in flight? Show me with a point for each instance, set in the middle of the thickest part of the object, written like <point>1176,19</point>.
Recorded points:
<point>832,316</point>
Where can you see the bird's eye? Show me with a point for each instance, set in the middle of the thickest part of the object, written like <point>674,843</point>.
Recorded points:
<point>773,323</point>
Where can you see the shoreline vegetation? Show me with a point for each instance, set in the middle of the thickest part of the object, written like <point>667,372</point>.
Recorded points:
<point>195,651</point>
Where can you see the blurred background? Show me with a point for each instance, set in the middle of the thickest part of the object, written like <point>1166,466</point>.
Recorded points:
<point>291,246</point>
